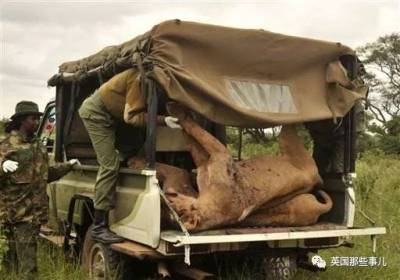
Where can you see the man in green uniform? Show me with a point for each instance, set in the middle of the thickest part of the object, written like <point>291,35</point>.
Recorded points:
<point>119,99</point>
<point>24,173</point>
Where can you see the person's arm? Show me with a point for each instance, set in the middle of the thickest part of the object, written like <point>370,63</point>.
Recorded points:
<point>58,170</point>
<point>140,119</point>
<point>6,165</point>
<point>135,106</point>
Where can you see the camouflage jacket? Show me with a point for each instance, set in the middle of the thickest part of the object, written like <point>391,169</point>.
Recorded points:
<point>23,193</point>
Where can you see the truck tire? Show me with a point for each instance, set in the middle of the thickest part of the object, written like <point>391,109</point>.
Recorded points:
<point>280,267</point>
<point>99,260</point>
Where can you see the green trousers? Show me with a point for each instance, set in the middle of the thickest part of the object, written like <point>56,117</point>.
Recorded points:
<point>100,125</point>
<point>22,247</point>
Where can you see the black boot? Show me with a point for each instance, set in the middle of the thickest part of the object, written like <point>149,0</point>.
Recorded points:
<point>100,231</point>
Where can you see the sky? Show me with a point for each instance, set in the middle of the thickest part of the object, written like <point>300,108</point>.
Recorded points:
<point>37,36</point>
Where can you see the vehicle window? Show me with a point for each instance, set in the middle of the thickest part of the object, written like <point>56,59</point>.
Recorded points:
<point>262,97</point>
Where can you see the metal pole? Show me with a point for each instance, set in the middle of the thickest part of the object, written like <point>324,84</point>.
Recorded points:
<point>60,119</point>
<point>350,63</point>
<point>152,106</point>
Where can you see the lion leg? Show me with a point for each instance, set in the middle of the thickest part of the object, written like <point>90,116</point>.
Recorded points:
<point>207,141</point>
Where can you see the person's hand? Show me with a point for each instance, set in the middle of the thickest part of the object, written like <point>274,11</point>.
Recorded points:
<point>172,122</point>
<point>74,161</point>
<point>9,166</point>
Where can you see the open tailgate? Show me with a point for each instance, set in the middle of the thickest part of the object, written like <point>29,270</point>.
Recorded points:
<point>266,234</point>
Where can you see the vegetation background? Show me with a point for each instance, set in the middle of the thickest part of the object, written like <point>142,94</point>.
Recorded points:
<point>377,184</point>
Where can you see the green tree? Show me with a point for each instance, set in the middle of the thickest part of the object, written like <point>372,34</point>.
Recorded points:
<point>382,61</point>
<point>387,135</point>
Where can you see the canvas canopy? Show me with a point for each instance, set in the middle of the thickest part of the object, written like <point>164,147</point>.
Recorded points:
<point>239,77</point>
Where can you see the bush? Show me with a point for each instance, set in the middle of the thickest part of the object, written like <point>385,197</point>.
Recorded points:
<point>376,172</point>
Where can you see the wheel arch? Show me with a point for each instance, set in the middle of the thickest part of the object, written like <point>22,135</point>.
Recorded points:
<point>86,214</point>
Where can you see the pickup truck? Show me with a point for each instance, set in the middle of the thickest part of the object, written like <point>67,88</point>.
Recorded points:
<point>140,201</point>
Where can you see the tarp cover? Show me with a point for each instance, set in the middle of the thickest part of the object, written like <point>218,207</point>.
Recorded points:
<point>109,61</point>
<point>249,78</point>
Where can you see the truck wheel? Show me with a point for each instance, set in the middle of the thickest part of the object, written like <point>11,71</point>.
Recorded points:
<point>280,267</point>
<point>99,261</point>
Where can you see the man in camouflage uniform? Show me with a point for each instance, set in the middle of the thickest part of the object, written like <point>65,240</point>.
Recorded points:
<point>24,173</point>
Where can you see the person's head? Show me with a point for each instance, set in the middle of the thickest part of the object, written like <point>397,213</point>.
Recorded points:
<point>25,119</point>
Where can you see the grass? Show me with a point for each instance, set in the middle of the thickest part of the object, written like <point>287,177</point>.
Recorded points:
<point>378,196</point>
<point>51,266</point>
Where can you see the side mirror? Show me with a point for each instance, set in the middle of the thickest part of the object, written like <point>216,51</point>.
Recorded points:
<point>48,142</point>
<point>45,140</point>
